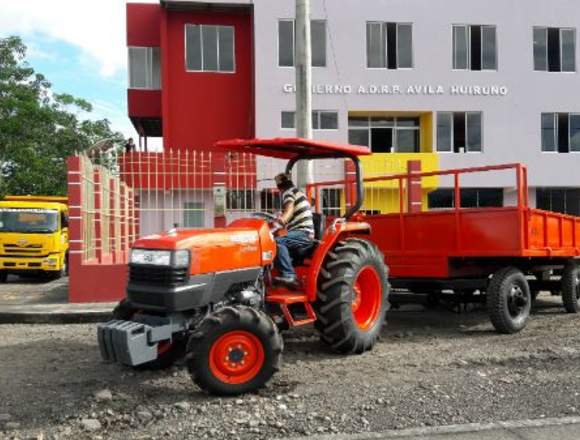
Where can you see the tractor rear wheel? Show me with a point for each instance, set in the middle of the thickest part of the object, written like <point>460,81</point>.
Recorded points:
<point>168,352</point>
<point>235,350</point>
<point>353,293</point>
<point>571,287</point>
<point>509,300</point>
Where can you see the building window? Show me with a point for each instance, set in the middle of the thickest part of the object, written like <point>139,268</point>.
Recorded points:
<point>470,198</point>
<point>331,201</point>
<point>193,215</point>
<point>321,120</point>
<point>240,199</point>
<point>459,132</point>
<point>144,68</point>
<point>554,49</point>
<point>389,45</point>
<point>270,200</point>
<point>209,48</point>
<point>287,43</point>
<point>385,134</point>
<point>564,200</point>
<point>474,47</point>
<point>561,132</point>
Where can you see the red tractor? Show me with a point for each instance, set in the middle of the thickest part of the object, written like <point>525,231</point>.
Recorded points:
<point>207,294</point>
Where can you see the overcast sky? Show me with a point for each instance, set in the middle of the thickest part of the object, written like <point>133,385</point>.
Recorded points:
<point>80,46</point>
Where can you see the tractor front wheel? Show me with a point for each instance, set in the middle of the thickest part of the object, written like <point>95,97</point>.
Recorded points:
<point>353,295</point>
<point>571,287</point>
<point>236,350</point>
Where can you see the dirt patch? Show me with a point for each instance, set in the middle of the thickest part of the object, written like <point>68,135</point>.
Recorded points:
<point>430,368</point>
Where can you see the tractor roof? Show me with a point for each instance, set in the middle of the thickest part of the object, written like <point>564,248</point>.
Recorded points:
<point>292,148</point>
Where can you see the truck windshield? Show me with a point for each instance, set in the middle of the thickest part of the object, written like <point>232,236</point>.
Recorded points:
<point>28,220</point>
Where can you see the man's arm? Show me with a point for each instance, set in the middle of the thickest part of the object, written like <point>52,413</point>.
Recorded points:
<point>288,212</point>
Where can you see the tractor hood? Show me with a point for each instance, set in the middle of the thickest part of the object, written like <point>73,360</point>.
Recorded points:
<point>244,244</point>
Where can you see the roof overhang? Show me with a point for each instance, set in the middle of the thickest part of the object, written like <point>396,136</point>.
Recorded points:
<point>206,4</point>
<point>293,148</point>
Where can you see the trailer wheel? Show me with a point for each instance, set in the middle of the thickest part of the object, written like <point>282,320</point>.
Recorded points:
<point>168,352</point>
<point>509,300</point>
<point>571,287</point>
<point>234,351</point>
<point>353,292</point>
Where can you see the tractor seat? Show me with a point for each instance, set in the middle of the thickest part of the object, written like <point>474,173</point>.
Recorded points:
<point>319,221</point>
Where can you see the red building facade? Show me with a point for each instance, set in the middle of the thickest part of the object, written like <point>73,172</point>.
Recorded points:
<point>190,109</point>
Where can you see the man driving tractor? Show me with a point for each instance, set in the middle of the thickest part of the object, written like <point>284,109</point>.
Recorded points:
<point>297,219</point>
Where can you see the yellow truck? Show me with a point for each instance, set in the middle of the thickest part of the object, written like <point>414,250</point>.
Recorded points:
<point>33,236</point>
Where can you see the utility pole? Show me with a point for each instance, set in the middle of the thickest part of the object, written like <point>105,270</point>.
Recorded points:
<point>303,65</point>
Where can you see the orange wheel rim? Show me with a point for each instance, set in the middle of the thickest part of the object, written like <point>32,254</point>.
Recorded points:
<point>366,304</point>
<point>163,347</point>
<point>236,357</point>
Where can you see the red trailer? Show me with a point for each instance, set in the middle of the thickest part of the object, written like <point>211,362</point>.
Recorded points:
<point>508,253</point>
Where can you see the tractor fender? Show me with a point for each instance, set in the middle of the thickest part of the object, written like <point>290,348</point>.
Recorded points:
<point>331,236</point>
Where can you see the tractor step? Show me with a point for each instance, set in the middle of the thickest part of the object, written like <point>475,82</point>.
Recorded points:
<point>285,299</point>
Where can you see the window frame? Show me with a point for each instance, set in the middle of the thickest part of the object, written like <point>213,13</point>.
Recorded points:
<point>293,21</point>
<point>314,112</point>
<point>547,54</point>
<point>452,136</point>
<point>392,126</point>
<point>468,33</point>
<point>385,42</point>
<point>557,132</point>
<point>550,191</point>
<point>218,26</point>
<point>187,209</point>
<point>237,199</point>
<point>148,68</point>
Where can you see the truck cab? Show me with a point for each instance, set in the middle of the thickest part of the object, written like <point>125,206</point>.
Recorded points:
<point>33,236</point>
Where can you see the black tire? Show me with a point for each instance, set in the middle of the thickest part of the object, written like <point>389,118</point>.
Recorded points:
<point>509,300</point>
<point>337,322</point>
<point>123,311</point>
<point>571,287</point>
<point>210,338</point>
<point>169,353</point>
<point>3,277</point>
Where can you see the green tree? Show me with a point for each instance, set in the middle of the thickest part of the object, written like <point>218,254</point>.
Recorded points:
<point>39,129</point>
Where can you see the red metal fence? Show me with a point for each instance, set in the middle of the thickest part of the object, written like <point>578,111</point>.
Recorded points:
<point>138,194</point>
<point>104,222</point>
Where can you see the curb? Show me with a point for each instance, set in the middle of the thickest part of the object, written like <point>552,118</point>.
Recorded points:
<point>507,427</point>
<point>49,315</point>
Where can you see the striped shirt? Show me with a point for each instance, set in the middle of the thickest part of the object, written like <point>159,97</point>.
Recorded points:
<point>301,219</point>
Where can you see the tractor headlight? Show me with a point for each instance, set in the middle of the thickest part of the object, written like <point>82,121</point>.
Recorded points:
<point>181,258</point>
<point>178,259</point>
<point>149,257</point>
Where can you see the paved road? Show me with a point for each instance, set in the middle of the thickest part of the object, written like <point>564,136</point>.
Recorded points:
<point>567,428</point>
<point>39,301</point>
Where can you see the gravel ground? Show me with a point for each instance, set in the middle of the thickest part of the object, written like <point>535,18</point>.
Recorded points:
<point>431,368</point>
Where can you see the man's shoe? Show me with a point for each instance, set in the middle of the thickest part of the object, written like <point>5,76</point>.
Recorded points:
<point>291,282</point>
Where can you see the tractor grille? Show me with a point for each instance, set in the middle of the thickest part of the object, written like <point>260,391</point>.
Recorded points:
<point>158,275</point>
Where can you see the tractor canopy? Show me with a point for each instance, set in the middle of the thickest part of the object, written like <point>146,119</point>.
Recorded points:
<point>297,149</point>
<point>293,148</point>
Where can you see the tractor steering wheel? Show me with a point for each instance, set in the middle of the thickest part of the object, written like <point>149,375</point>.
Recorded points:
<point>265,215</point>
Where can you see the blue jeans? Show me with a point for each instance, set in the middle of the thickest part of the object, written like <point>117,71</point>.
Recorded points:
<point>288,246</point>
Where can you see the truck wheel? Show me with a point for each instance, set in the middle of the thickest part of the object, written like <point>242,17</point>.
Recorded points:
<point>168,352</point>
<point>571,287</point>
<point>3,277</point>
<point>509,300</point>
<point>353,292</point>
<point>235,351</point>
